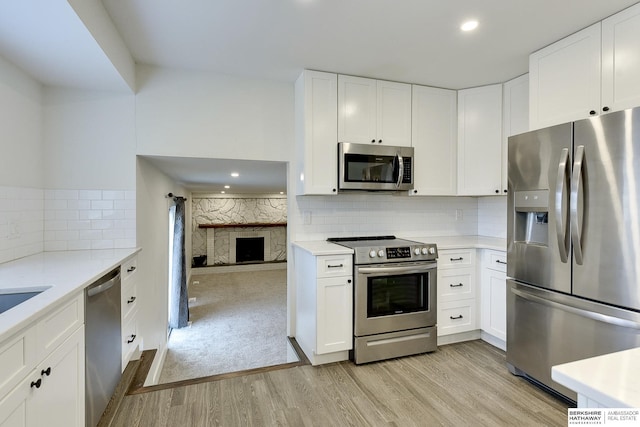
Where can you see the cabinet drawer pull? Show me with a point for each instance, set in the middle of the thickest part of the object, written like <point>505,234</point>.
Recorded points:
<point>456,317</point>
<point>456,259</point>
<point>501,262</point>
<point>132,339</point>
<point>130,300</point>
<point>36,384</point>
<point>130,269</point>
<point>46,372</point>
<point>335,266</point>
<point>456,286</point>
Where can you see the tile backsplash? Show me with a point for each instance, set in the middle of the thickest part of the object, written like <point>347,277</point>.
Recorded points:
<point>376,214</point>
<point>21,222</point>
<point>89,219</point>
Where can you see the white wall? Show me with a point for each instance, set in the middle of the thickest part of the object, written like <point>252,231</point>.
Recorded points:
<point>153,236</point>
<point>89,140</point>
<point>197,114</point>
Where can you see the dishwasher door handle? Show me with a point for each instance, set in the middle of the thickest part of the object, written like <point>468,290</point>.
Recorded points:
<point>102,287</point>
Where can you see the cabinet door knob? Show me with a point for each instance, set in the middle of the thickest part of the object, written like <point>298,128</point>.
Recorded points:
<point>46,372</point>
<point>36,384</point>
<point>605,108</point>
<point>497,191</point>
<point>131,339</point>
<point>130,300</point>
<point>129,270</point>
<point>379,141</point>
<point>504,191</point>
<point>373,141</point>
<point>592,112</point>
<point>333,190</point>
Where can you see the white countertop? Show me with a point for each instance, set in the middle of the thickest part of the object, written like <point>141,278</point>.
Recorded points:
<point>321,247</point>
<point>66,272</point>
<point>611,379</point>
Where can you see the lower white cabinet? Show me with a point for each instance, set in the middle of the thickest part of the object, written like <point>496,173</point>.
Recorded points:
<point>324,309</point>
<point>129,312</point>
<point>457,302</point>
<point>493,307</point>
<point>52,393</point>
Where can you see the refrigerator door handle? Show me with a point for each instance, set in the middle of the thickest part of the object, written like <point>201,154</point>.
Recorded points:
<point>579,311</point>
<point>561,185</point>
<point>576,235</point>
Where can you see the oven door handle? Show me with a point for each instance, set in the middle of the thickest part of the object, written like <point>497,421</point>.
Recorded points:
<point>395,270</point>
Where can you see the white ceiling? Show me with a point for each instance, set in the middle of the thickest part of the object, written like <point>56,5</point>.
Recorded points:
<point>414,41</point>
<point>211,175</point>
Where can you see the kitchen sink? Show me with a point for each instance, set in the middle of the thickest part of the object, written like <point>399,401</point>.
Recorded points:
<point>12,298</point>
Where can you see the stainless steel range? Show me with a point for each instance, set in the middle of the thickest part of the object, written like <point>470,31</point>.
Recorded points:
<point>394,300</point>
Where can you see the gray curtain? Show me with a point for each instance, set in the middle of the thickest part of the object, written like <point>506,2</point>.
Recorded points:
<point>179,311</point>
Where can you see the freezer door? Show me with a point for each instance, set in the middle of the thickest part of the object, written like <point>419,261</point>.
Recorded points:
<point>605,192</point>
<point>538,244</point>
<point>546,328</point>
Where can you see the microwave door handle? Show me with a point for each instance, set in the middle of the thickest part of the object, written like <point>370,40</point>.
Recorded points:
<point>400,170</point>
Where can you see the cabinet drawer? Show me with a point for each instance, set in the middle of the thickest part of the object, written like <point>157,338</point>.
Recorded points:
<point>456,284</point>
<point>457,316</point>
<point>456,258</point>
<point>17,358</point>
<point>497,260</point>
<point>130,338</point>
<point>128,269</point>
<point>334,265</point>
<point>129,298</point>
<point>57,326</point>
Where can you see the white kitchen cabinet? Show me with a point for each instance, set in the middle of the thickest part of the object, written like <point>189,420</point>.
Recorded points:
<point>565,79</point>
<point>52,392</point>
<point>515,117</point>
<point>433,136</point>
<point>493,296</point>
<point>129,309</point>
<point>480,141</point>
<point>324,309</point>
<point>621,60</point>
<point>457,302</point>
<point>316,122</point>
<point>374,111</point>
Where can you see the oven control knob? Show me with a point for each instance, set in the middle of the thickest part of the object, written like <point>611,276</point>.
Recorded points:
<point>381,253</point>
<point>425,251</point>
<point>416,251</point>
<point>372,254</point>
<point>432,250</point>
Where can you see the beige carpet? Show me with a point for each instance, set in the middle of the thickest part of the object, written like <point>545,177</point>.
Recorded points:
<point>238,322</point>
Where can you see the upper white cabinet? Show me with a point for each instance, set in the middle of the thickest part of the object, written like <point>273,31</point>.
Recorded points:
<point>433,136</point>
<point>565,79</point>
<point>515,116</point>
<point>621,59</point>
<point>374,111</point>
<point>480,141</point>
<point>316,112</point>
<point>591,72</point>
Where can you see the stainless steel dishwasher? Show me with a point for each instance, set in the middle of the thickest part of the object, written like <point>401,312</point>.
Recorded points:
<point>103,344</point>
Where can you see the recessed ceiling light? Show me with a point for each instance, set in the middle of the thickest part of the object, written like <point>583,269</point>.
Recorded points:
<point>235,174</point>
<point>226,186</point>
<point>222,192</point>
<point>469,25</point>
<point>282,192</point>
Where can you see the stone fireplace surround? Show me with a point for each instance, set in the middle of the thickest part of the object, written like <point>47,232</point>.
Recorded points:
<point>221,242</point>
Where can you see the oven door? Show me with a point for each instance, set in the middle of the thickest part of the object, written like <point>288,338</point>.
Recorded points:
<point>394,297</point>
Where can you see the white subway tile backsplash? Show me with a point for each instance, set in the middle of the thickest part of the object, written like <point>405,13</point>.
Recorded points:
<point>112,195</point>
<point>90,194</point>
<point>102,204</point>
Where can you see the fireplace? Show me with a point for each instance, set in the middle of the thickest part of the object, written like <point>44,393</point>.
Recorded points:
<point>249,249</point>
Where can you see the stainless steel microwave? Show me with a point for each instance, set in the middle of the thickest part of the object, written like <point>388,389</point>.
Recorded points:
<point>374,167</point>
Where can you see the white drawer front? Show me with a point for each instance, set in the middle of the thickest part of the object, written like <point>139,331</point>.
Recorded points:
<point>56,327</point>
<point>456,284</point>
<point>497,261</point>
<point>17,358</point>
<point>128,269</point>
<point>334,265</point>
<point>129,298</point>
<point>456,258</point>
<point>457,316</point>
<point>130,339</point>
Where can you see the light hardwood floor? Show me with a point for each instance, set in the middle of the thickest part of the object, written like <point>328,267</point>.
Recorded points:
<point>465,384</point>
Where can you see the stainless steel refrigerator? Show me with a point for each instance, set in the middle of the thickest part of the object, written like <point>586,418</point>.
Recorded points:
<point>573,244</point>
